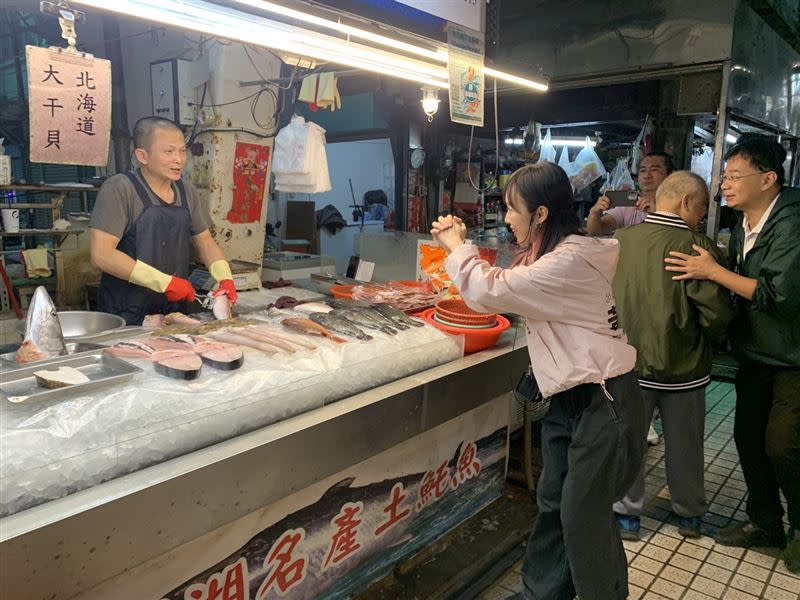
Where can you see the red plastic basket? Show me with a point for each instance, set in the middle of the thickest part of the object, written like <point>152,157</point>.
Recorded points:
<point>475,340</point>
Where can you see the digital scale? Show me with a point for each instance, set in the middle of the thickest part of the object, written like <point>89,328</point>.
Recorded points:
<point>295,265</point>
<point>245,277</point>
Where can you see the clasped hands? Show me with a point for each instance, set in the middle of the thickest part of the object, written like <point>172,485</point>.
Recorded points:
<point>449,232</point>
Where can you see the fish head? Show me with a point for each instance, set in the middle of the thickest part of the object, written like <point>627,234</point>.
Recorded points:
<point>42,326</point>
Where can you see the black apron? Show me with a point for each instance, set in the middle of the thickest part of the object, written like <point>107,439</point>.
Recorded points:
<point>161,237</point>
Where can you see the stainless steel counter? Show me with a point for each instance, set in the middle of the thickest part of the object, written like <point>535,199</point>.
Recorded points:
<point>69,545</point>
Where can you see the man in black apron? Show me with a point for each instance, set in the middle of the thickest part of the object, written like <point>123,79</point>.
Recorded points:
<point>142,227</point>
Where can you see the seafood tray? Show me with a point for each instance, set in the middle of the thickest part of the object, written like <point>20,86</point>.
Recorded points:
<point>73,349</point>
<point>102,370</point>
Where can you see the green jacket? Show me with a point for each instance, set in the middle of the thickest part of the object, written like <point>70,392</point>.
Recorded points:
<point>674,325</point>
<point>766,329</point>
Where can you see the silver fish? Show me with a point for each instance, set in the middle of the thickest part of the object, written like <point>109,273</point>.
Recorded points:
<point>397,316</point>
<point>339,325</point>
<point>363,318</point>
<point>42,327</point>
<point>381,318</point>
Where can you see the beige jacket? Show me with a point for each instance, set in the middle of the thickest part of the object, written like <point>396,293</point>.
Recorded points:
<point>573,335</point>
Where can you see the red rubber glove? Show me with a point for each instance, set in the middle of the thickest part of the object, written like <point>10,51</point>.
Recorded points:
<point>227,287</point>
<point>179,289</point>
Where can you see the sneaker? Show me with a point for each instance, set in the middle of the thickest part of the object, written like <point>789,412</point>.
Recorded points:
<point>748,535</point>
<point>628,527</point>
<point>689,527</point>
<point>791,556</point>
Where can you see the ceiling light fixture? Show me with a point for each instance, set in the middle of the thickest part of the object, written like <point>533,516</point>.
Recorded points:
<point>224,22</point>
<point>430,102</point>
<point>439,55</point>
<point>573,143</point>
<point>209,19</point>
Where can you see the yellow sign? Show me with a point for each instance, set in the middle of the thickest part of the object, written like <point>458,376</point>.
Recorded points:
<point>69,101</point>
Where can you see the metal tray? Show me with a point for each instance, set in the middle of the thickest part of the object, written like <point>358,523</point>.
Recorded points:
<point>73,349</point>
<point>20,385</point>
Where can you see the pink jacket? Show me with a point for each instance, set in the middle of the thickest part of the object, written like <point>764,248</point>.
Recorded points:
<point>573,336</point>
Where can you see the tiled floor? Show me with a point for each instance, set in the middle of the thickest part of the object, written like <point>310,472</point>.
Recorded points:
<point>665,566</point>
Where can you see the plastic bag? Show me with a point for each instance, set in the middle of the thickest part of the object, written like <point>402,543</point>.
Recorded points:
<point>300,162</point>
<point>702,163</point>
<point>620,178</point>
<point>548,152</point>
<point>564,161</point>
<point>643,144</point>
<point>586,168</point>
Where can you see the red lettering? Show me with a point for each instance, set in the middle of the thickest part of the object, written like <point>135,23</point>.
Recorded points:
<point>395,515</point>
<point>230,584</point>
<point>286,569</point>
<point>434,485</point>
<point>468,466</point>
<point>344,543</point>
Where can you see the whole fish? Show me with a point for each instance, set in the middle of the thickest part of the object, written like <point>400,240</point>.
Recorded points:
<point>43,335</point>
<point>310,327</point>
<point>312,307</point>
<point>220,306</point>
<point>363,319</point>
<point>397,316</point>
<point>339,325</point>
<point>345,303</point>
<point>381,318</point>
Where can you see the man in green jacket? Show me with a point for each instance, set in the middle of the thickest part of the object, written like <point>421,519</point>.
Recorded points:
<point>675,339</point>
<point>765,336</point>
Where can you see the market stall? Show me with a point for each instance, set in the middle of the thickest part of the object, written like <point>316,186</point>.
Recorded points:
<point>121,485</point>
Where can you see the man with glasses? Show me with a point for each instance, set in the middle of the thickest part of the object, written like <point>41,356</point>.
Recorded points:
<point>765,336</point>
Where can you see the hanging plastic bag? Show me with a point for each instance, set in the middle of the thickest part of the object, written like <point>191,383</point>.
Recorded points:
<point>548,152</point>
<point>586,168</point>
<point>606,185</point>
<point>620,178</point>
<point>291,153</point>
<point>643,144</point>
<point>564,161</point>
<point>702,163</point>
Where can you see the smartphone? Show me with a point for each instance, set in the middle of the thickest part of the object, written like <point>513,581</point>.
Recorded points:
<point>622,197</point>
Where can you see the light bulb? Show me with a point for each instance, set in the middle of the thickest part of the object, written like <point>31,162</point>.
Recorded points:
<point>430,102</point>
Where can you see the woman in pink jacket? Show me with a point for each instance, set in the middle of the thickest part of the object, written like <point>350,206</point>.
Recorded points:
<point>593,437</point>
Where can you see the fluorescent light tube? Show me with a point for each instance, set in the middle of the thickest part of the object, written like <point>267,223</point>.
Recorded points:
<point>439,55</point>
<point>572,143</point>
<point>534,85</point>
<point>225,23</point>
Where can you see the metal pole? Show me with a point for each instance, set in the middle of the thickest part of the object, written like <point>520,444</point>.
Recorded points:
<point>120,138</point>
<point>714,206</point>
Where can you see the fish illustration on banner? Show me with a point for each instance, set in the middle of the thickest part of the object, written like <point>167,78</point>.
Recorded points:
<point>250,169</point>
<point>354,533</point>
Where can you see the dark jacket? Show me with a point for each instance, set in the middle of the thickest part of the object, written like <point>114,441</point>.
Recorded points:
<point>675,326</point>
<point>766,330</point>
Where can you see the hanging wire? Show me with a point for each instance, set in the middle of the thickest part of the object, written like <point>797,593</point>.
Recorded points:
<point>496,144</point>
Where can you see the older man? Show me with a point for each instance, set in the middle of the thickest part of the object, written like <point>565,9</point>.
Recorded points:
<point>675,339</point>
<point>765,337</point>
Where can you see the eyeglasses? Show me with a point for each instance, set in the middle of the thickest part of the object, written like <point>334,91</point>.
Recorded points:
<point>735,178</point>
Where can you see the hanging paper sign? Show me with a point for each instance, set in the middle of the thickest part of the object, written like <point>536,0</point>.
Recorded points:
<point>250,167</point>
<point>69,107</point>
<point>465,51</point>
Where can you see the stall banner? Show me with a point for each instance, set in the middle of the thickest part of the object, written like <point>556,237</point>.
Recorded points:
<point>250,168</point>
<point>69,107</point>
<point>332,539</point>
<point>465,51</point>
